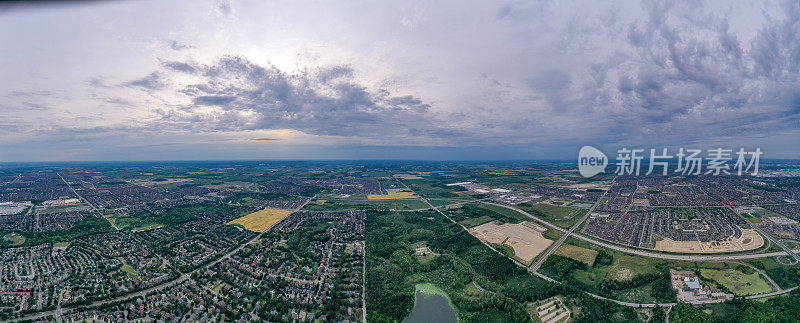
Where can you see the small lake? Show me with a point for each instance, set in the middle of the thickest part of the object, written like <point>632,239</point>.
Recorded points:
<point>431,304</point>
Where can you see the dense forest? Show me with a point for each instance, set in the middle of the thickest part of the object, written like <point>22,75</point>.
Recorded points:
<point>779,309</point>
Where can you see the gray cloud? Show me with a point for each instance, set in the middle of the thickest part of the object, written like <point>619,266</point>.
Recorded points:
<point>179,66</point>
<point>176,45</point>
<point>686,78</point>
<point>152,81</point>
<point>319,101</point>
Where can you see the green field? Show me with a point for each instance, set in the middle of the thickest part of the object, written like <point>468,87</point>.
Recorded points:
<point>126,268</point>
<point>351,205</point>
<point>784,276</point>
<point>580,254</point>
<point>473,212</point>
<point>469,223</point>
<point>562,216</point>
<point>14,239</point>
<point>506,212</point>
<point>124,221</point>
<point>623,267</point>
<point>738,282</point>
<point>504,249</point>
<point>432,188</point>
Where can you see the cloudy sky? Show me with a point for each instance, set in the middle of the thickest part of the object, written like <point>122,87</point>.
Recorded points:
<point>184,80</point>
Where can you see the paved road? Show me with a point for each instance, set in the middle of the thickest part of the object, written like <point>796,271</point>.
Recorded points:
<point>78,195</point>
<point>569,232</point>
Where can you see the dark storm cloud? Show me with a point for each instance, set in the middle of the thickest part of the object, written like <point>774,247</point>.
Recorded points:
<point>320,101</point>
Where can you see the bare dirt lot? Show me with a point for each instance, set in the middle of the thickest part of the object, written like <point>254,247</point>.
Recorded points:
<point>749,240</point>
<point>524,238</point>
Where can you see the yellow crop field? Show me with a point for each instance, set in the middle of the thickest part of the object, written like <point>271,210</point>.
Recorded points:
<point>394,193</point>
<point>262,220</point>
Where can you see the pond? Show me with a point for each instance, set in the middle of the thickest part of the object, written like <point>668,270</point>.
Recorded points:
<point>431,304</point>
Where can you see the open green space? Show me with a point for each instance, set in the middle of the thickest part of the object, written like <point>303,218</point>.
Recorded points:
<point>584,255</point>
<point>430,187</point>
<point>506,250</point>
<point>126,268</point>
<point>472,222</point>
<point>562,216</point>
<point>784,276</point>
<point>737,281</point>
<point>475,213</point>
<point>505,212</point>
<point>350,205</point>
<point>14,239</point>
<point>612,274</point>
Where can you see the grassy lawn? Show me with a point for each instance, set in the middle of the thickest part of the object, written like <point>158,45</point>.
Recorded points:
<point>124,221</point>
<point>127,268</point>
<point>394,193</point>
<point>352,205</point>
<point>146,227</point>
<point>624,267</point>
<point>790,244</point>
<point>218,288</point>
<point>15,239</point>
<point>435,202</point>
<point>562,216</point>
<point>738,282</point>
<point>476,221</point>
<point>505,212</point>
<point>784,276</point>
<point>580,254</point>
<point>552,234</point>
<point>504,249</point>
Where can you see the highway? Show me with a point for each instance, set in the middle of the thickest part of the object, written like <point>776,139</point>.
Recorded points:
<point>568,233</point>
